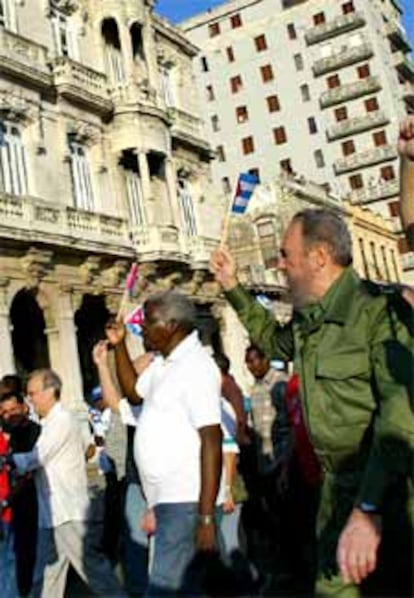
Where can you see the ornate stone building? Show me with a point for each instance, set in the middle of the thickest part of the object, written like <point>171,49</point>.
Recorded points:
<point>102,162</point>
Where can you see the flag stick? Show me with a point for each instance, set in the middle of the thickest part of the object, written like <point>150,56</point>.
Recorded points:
<point>129,285</point>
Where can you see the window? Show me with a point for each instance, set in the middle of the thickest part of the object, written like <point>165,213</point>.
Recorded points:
<point>348,7</point>
<point>341,114</point>
<point>114,65</point>
<point>235,21</point>
<point>380,138</point>
<point>371,105</point>
<point>363,71</point>
<point>255,172</point>
<point>81,176</point>
<point>319,18</point>
<point>356,182</point>
<point>137,42</point>
<point>236,84</point>
<point>291,31</point>
<point>387,173</point>
<point>348,147</point>
<point>319,159</point>
<point>267,73</point>
<point>298,58</point>
<point>304,92</point>
<point>210,93</point>
<point>8,18</point>
<point>187,207</point>
<point>248,145</point>
<point>215,123</point>
<point>204,64</point>
<point>394,208</point>
<point>214,29</point>
<point>63,35</point>
<point>312,125</point>
<point>279,135</point>
<point>267,241</point>
<point>242,114</point>
<point>167,90</point>
<point>221,155</point>
<point>286,166</point>
<point>273,103</point>
<point>133,188</point>
<point>333,81</point>
<point>260,43</point>
<point>225,183</point>
<point>12,161</point>
<point>230,54</point>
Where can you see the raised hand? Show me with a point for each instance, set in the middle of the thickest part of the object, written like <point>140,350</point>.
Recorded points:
<point>115,332</point>
<point>406,138</point>
<point>223,266</point>
<point>100,353</point>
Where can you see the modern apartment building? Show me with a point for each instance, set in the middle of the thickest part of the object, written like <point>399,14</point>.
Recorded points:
<point>315,87</point>
<point>102,162</point>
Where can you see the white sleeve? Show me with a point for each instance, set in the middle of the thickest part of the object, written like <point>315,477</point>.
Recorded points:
<point>203,400</point>
<point>144,381</point>
<point>129,413</point>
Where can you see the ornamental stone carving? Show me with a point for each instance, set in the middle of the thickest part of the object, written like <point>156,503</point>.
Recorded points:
<point>16,108</point>
<point>84,133</point>
<point>89,271</point>
<point>36,265</point>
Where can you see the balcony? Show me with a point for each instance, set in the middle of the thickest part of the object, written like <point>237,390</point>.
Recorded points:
<point>397,36</point>
<point>350,91</point>
<point>408,93</point>
<point>81,85</point>
<point>359,124</point>
<point>363,159</point>
<point>339,25</point>
<point>200,249</point>
<point>404,65</point>
<point>187,127</point>
<point>31,219</point>
<point>157,242</point>
<point>24,59</point>
<point>346,57</point>
<point>382,191</point>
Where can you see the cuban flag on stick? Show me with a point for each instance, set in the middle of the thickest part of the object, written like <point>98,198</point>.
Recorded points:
<point>129,289</point>
<point>134,320</point>
<point>244,190</point>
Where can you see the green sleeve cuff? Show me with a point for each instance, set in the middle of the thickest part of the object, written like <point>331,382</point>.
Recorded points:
<point>239,298</point>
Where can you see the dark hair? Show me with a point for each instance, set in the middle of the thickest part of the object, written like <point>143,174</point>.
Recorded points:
<point>323,225</point>
<point>223,362</point>
<point>11,387</point>
<point>255,349</point>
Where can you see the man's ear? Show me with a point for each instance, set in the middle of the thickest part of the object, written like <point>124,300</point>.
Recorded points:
<point>320,254</point>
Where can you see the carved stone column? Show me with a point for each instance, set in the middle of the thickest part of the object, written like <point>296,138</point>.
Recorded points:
<point>6,354</point>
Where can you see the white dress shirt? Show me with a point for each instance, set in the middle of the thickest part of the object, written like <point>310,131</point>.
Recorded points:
<point>60,470</point>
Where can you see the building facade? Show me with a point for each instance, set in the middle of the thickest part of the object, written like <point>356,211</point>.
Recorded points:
<point>308,86</point>
<point>102,162</point>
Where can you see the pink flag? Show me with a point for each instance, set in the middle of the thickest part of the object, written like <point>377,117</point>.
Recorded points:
<point>132,278</point>
<point>134,320</point>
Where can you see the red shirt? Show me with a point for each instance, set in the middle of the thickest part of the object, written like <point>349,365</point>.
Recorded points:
<point>5,514</point>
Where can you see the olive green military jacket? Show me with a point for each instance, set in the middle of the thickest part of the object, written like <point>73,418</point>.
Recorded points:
<point>354,356</point>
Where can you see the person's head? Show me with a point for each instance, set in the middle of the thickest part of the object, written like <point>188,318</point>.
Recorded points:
<point>256,361</point>
<point>168,318</point>
<point>13,409</point>
<point>223,363</point>
<point>96,398</point>
<point>43,390</point>
<point>317,246</point>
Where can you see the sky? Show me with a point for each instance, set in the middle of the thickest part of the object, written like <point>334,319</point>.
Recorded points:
<point>177,10</point>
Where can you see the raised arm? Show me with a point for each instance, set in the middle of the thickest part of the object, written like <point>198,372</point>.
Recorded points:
<point>127,375</point>
<point>406,151</point>
<point>110,394</point>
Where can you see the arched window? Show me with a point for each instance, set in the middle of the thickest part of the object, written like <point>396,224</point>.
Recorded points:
<point>268,242</point>
<point>187,207</point>
<point>133,186</point>
<point>114,65</point>
<point>64,34</point>
<point>13,170</point>
<point>81,176</point>
<point>137,41</point>
<point>8,17</point>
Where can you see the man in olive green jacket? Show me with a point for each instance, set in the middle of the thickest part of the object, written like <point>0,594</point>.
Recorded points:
<point>352,345</point>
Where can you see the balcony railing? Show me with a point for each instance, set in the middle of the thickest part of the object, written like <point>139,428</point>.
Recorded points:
<point>153,242</point>
<point>383,190</point>
<point>341,24</point>
<point>346,57</point>
<point>187,126</point>
<point>398,36</point>
<point>363,159</point>
<point>201,248</point>
<point>32,218</point>
<point>81,84</point>
<point>350,91</point>
<point>355,125</point>
<point>404,65</point>
<point>24,59</point>
<point>407,89</point>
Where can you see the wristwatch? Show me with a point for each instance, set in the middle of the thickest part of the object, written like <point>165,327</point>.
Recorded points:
<point>206,519</point>
<point>368,508</point>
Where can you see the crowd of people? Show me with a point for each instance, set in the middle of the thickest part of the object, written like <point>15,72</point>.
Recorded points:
<point>305,487</point>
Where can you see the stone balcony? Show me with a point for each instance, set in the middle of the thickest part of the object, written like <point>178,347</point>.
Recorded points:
<point>363,159</point>
<point>24,59</point>
<point>159,242</point>
<point>344,58</point>
<point>200,249</point>
<point>30,219</point>
<point>407,92</point>
<point>404,65</point>
<point>398,36</point>
<point>81,85</point>
<point>350,91</point>
<point>186,126</point>
<point>355,125</point>
<point>383,190</point>
<point>337,26</point>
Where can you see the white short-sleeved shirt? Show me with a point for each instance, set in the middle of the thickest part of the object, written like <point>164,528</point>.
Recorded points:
<point>180,395</point>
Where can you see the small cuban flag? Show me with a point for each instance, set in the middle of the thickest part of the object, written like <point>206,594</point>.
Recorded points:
<point>244,190</point>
